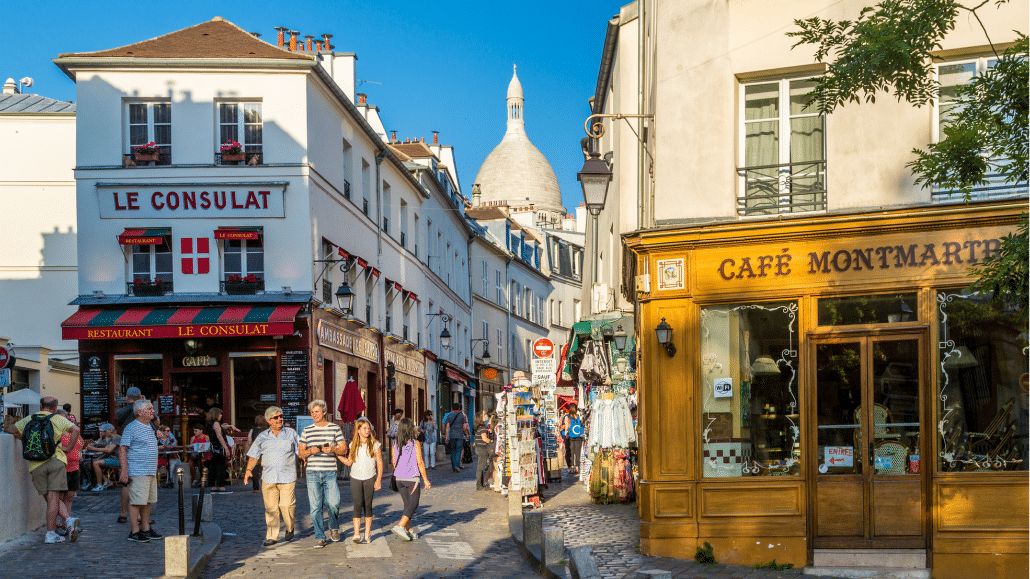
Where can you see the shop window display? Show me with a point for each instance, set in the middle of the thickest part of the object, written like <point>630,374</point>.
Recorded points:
<point>981,390</point>
<point>144,373</point>
<point>750,408</point>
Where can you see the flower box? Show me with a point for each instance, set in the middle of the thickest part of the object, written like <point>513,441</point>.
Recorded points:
<point>241,156</point>
<point>141,157</point>
<point>241,288</point>
<point>232,151</point>
<point>147,288</point>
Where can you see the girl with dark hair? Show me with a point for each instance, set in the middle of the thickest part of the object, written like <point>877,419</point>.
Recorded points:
<point>366,475</point>
<point>483,444</point>
<point>408,468</point>
<point>572,431</point>
<point>217,466</point>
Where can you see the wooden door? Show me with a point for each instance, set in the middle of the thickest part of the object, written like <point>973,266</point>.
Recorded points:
<point>869,482</point>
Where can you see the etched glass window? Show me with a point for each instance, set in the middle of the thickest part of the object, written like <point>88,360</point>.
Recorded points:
<point>750,416</point>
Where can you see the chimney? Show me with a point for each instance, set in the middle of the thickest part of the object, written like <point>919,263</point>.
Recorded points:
<point>422,139</point>
<point>282,35</point>
<point>393,137</point>
<point>256,34</point>
<point>309,37</point>
<point>318,46</point>
<point>10,87</point>
<point>362,98</point>
<point>293,40</point>
<point>476,194</point>
<point>328,47</point>
<point>436,135</point>
<point>407,141</point>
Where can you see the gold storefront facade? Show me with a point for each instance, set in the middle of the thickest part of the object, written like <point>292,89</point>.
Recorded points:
<point>790,336</point>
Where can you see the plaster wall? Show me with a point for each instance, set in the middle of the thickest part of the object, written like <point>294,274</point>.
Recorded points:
<point>25,510</point>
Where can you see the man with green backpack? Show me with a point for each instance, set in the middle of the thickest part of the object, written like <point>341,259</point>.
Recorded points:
<point>41,435</point>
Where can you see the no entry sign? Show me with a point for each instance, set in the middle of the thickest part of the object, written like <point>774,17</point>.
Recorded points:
<point>543,348</point>
<point>6,357</point>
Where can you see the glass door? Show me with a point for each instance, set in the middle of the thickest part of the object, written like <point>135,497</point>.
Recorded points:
<point>869,483</point>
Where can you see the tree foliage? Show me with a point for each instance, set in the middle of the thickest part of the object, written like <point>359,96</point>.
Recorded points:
<point>890,47</point>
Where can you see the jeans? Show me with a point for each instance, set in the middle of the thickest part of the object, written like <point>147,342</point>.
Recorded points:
<point>429,452</point>
<point>484,458</point>
<point>323,492</point>
<point>456,445</point>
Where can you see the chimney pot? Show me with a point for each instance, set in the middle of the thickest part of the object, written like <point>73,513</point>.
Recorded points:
<point>362,98</point>
<point>422,139</point>
<point>309,37</point>
<point>318,46</point>
<point>293,40</point>
<point>393,137</point>
<point>282,35</point>
<point>256,34</point>
<point>407,140</point>
<point>328,47</point>
<point>436,135</point>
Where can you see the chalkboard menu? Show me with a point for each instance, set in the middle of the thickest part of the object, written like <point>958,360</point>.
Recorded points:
<point>166,404</point>
<point>96,404</point>
<point>293,384</point>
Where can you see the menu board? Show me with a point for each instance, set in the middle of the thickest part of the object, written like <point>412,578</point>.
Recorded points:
<point>166,404</point>
<point>293,385</point>
<point>96,403</point>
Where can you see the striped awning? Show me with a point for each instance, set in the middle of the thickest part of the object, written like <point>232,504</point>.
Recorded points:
<point>184,322</point>
<point>248,233</point>
<point>152,236</point>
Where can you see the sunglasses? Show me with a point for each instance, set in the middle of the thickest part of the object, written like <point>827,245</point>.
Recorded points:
<point>277,417</point>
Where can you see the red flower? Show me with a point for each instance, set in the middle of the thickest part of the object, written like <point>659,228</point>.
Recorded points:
<point>146,149</point>
<point>231,147</point>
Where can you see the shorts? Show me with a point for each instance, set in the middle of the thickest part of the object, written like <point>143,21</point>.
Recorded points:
<point>50,476</point>
<point>73,481</point>
<point>110,462</point>
<point>142,490</point>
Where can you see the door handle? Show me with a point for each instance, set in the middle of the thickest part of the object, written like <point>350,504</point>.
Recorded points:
<point>872,458</point>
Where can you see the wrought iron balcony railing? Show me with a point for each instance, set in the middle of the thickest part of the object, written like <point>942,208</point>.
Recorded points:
<point>783,188</point>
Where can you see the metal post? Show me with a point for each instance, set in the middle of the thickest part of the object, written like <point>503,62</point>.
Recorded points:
<point>182,503</point>
<point>200,503</point>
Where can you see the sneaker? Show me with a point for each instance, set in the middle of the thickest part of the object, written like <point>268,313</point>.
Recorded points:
<point>97,488</point>
<point>320,543</point>
<point>401,532</point>
<point>356,539</point>
<point>61,530</point>
<point>153,535</point>
<point>139,537</point>
<point>74,526</point>
<point>413,534</point>
<point>52,537</point>
<point>335,535</point>
<point>289,536</point>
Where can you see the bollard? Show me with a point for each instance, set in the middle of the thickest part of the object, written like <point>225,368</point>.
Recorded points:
<point>533,528</point>
<point>553,549</point>
<point>177,556</point>
<point>182,504</point>
<point>200,504</point>
<point>582,564</point>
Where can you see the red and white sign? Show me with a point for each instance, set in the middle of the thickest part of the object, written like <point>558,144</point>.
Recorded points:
<point>543,348</point>
<point>839,456</point>
<point>203,264</point>
<point>6,357</point>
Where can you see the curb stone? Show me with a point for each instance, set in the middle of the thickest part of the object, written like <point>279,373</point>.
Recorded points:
<point>211,539</point>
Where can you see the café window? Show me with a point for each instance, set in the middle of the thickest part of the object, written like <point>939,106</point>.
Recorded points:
<point>253,386</point>
<point>750,419</point>
<point>878,309</point>
<point>243,261</point>
<point>241,122</point>
<point>150,264</point>
<point>981,397</point>
<point>148,122</point>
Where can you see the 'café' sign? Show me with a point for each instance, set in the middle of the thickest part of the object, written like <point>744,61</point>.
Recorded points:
<point>171,201</point>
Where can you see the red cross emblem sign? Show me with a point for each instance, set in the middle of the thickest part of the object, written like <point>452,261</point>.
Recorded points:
<point>203,264</point>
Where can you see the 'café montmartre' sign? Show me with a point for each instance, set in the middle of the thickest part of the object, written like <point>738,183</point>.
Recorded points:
<point>171,201</point>
<point>926,255</point>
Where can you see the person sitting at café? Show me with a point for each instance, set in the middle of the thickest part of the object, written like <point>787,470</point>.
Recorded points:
<point>197,459</point>
<point>165,448</point>
<point>107,446</point>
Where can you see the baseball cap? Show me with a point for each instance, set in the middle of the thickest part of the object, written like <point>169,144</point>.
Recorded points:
<point>134,392</point>
<point>106,426</point>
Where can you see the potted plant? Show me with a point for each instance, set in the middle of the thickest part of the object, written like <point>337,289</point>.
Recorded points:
<point>144,287</point>
<point>232,151</point>
<point>239,285</point>
<point>147,152</point>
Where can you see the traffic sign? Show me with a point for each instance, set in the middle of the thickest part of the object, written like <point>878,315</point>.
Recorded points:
<point>543,348</point>
<point>6,357</point>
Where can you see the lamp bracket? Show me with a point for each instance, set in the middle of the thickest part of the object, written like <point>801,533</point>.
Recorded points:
<point>595,130</point>
<point>670,349</point>
<point>345,265</point>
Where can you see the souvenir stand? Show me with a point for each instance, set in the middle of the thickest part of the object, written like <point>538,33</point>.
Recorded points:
<point>523,457</point>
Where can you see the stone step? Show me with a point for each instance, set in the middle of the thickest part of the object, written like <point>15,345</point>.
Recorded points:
<point>869,572</point>
<point>895,558</point>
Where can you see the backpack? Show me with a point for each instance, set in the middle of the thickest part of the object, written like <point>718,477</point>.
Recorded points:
<point>38,439</point>
<point>575,428</point>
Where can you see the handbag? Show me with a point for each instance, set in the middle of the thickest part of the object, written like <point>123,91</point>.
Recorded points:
<point>393,484</point>
<point>466,453</point>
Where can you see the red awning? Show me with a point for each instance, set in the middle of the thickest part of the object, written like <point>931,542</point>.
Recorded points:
<point>342,253</point>
<point>186,322</point>
<point>363,263</point>
<point>455,376</point>
<point>410,296</point>
<point>137,236</point>
<point>248,233</point>
<point>375,272</point>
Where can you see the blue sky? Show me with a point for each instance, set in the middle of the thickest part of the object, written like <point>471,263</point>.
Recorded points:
<point>442,66</point>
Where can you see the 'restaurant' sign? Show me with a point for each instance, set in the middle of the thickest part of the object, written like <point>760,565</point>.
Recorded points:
<point>190,331</point>
<point>171,201</point>
<point>346,341</point>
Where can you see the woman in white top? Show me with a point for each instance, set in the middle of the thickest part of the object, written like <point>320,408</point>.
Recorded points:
<point>366,475</point>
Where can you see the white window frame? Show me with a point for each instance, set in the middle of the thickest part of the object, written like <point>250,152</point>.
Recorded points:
<point>244,270</point>
<point>151,252</point>
<point>163,148</point>
<point>249,148</point>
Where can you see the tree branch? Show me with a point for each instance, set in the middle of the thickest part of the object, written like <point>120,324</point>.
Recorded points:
<point>982,27</point>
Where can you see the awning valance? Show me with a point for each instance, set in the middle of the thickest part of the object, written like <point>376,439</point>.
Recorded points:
<point>184,322</point>
<point>248,233</point>
<point>454,375</point>
<point>137,236</point>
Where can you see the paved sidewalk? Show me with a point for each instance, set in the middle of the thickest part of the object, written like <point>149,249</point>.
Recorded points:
<point>103,549</point>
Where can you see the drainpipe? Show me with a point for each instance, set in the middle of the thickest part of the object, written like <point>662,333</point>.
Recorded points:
<point>379,257</point>
<point>507,333</point>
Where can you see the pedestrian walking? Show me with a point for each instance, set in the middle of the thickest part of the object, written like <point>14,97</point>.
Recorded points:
<point>456,429</point>
<point>391,431</point>
<point>428,429</point>
<point>122,418</point>
<point>365,460</point>
<point>218,468</point>
<point>408,468</point>
<point>320,443</point>
<point>277,449</point>
<point>40,435</point>
<point>572,430</point>
<point>69,525</point>
<point>138,452</point>
<point>260,424</point>
<point>483,444</point>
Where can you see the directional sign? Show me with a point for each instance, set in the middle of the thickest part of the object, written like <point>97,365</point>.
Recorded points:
<point>543,348</point>
<point>839,456</point>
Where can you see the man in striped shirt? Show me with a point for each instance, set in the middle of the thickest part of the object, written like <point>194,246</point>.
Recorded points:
<point>320,443</point>
<point>138,455</point>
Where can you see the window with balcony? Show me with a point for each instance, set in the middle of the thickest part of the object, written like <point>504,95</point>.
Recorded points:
<point>150,122</point>
<point>151,265</point>
<point>348,153</point>
<point>783,149</point>
<point>240,122</point>
<point>243,265</point>
<point>951,76</point>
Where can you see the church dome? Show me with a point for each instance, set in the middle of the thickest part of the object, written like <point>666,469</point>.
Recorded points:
<point>517,172</point>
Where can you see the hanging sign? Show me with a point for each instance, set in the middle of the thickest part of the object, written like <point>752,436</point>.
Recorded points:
<point>723,387</point>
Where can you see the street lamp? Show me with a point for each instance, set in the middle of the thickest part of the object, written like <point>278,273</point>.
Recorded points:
<point>486,347</point>
<point>620,338</point>
<point>664,334</point>
<point>345,298</point>
<point>445,339</point>
<point>594,177</point>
